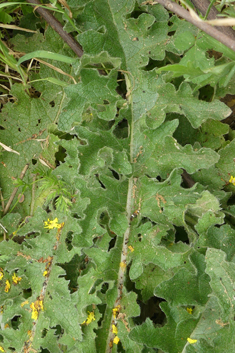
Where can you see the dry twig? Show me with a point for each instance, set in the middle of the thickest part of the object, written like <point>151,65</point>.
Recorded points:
<point>196,21</point>
<point>57,26</point>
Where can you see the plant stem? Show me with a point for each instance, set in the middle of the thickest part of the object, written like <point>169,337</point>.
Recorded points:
<point>57,26</point>
<point>205,27</point>
<point>15,190</point>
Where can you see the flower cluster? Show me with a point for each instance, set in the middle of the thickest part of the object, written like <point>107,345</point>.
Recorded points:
<point>90,318</point>
<point>52,224</point>
<point>7,286</point>
<point>189,310</point>
<point>36,307</point>
<point>114,327</point>
<point>15,280</point>
<point>232,180</point>
<point>115,331</point>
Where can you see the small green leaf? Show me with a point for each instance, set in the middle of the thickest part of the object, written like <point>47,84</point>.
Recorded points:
<point>46,55</point>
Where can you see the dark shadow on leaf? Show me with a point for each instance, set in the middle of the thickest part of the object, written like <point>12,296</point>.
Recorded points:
<point>60,156</point>
<point>136,13</point>
<point>68,241</point>
<point>72,270</point>
<point>112,243</point>
<point>115,174</point>
<point>15,322</point>
<point>151,309</point>
<point>104,219</point>
<point>121,88</point>
<point>44,350</point>
<point>52,104</point>
<point>181,235</point>
<point>27,293</point>
<point>34,93</point>
<point>105,287</point>
<point>101,184</point>
<point>121,129</point>
<point>206,93</point>
<point>44,333</point>
<point>39,121</point>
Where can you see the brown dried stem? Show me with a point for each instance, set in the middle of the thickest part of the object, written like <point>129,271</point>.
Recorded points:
<point>57,26</point>
<point>205,27</point>
<point>202,6</point>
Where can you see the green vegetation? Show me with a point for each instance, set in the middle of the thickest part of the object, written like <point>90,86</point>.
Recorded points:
<point>117,182</point>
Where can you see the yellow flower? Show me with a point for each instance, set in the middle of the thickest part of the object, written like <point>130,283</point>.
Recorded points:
<point>131,248</point>
<point>90,318</point>
<point>116,340</point>
<point>191,341</point>
<point>8,286</point>
<point>39,305</point>
<point>36,307</point>
<point>1,275</point>
<point>45,273</point>
<point>232,180</point>
<point>189,310</point>
<point>1,349</point>
<point>115,330</point>
<point>34,312</point>
<point>116,311</point>
<point>52,224</point>
<point>16,279</point>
